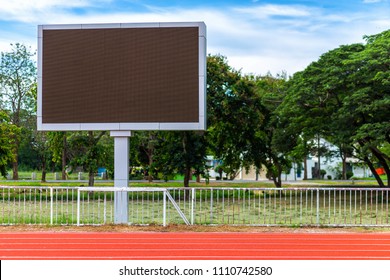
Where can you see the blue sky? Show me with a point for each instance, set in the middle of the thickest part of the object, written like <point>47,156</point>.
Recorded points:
<point>256,36</point>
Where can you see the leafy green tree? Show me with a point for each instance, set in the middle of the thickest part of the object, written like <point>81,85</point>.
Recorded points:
<point>182,152</point>
<point>316,94</point>
<point>58,145</point>
<point>272,150</point>
<point>17,85</point>
<point>369,104</point>
<point>28,155</point>
<point>34,152</point>
<point>107,158</point>
<point>243,123</point>
<point>344,98</point>
<point>40,145</point>
<point>7,133</point>
<point>87,152</point>
<point>146,142</point>
<point>234,116</point>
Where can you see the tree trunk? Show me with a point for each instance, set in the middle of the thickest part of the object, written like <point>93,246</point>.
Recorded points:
<point>187,171</point>
<point>15,174</point>
<point>279,185</point>
<point>277,175</point>
<point>344,171</point>
<point>277,181</point>
<point>91,179</point>
<point>15,121</point>
<point>150,176</point>
<point>43,180</point>
<point>220,173</point>
<point>187,176</point>
<point>382,161</point>
<point>305,168</point>
<point>388,180</point>
<point>319,157</point>
<point>373,171</point>
<point>64,158</point>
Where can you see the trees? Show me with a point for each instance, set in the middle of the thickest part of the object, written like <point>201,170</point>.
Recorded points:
<point>369,105</point>
<point>244,127</point>
<point>182,152</point>
<point>271,148</point>
<point>40,145</point>
<point>17,83</point>
<point>144,154</point>
<point>344,98</point>
<point>316,94</point>
<point>87,152</point>
<point>57,142</point>
<point>234,116</point>
<point>7,132</point>
<point>167,153</point>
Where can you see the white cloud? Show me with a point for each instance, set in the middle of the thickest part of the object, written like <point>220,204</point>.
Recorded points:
<point>29,11</point>
<point>269,10</point>
<point>381,23</point>
<point>257,40</point>
<point>372,1</point>
<point>9,37</point>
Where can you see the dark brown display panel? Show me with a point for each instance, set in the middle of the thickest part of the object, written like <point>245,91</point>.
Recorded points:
<point>120,75</point>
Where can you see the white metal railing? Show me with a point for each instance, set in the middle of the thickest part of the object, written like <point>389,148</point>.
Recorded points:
<point>37,205</point>
<point>287,206</point>
<point>234,206</point>
<point>147,205</point>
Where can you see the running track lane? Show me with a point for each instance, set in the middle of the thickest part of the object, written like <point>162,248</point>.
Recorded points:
<point>193,246</point>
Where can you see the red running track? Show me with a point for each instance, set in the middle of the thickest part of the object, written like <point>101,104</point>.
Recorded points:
<point>193,246</point>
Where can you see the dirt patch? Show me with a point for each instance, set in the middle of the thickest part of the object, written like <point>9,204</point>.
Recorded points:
<point>184,228</point>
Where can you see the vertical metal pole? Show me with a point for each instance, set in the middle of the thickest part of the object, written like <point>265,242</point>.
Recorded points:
<point>165,208</point>
<point>211,205</point>
<point>51,205</point>
<point>121,175</point>
<point>78,207</point>
<point>105,209</point>
<point>318,207</point>
<point>192,205</point>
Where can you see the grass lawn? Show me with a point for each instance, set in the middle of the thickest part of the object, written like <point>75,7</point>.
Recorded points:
<point>25,180</point>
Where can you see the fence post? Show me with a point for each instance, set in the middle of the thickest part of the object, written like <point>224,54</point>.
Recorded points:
<point>165,208</point>
<point>318,207</point>
<point>192,205</point>
<point>105,209</point>
<point>211,205</point>
<point>78,207</point>
<point>51,206</point>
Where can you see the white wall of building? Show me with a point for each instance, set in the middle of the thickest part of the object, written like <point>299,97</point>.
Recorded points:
<point>330,165</point>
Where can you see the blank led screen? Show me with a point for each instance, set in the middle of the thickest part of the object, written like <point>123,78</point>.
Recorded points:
<point>122,77</point>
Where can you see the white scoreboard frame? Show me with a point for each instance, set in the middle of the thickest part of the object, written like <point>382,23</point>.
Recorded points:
<point>127,126</point>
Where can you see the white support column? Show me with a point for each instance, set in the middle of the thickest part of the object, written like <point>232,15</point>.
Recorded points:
<point>121,175</point>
